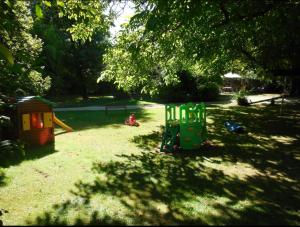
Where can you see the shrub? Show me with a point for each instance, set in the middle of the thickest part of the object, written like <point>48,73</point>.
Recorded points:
<point>2,178</point>
<point>11,151</point>
<point>38,84</point>
<point>241,98</point>
<point>209,91</point>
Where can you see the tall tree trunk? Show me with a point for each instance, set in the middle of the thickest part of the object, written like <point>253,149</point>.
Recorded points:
<point>83,85</point>
<point>84,91</point>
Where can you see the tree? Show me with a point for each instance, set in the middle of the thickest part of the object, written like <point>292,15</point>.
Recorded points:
<point>248,37</point>
<point>135,62</point>
<point>19,68</point>
<point>86,63</point>
<point>86,17</point>
<point>15,35</point>
<point>71,55</point>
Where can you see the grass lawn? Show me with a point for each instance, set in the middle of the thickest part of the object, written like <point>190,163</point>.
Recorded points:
<point>109,173</point>
<point>78,101</point>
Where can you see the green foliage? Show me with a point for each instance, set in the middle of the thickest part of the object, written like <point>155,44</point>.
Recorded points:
<point>207,37</point>
<point>10,151</point>
<point>220,32</point>
<point>73,65</point>
<point>87,18</point>
<point>209,91</point>
<point>47,3</point>
<point>15,33</point>
<point>4,121</point>
<point>6,54</point>
<point>134,63</point>
<point>184,91</point>
<point>39,84</point>
<point>38,11</point>
<point>60,23</point>
<point>2,182</point>
<point>6,124</point>
<point>241,97</point>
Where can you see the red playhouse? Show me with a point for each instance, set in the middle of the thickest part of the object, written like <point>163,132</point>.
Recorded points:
<point>34,120</point>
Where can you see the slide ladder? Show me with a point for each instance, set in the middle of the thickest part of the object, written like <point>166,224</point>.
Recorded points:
<point>170,138</point>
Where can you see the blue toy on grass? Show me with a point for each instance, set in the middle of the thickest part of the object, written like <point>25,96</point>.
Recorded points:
<point>233,127</point>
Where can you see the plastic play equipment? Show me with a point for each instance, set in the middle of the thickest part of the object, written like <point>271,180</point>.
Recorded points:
<point>131,121</point>
<point>61,124</point>
<point>33,117</point>
<point>189,131</point>
<point>233,127</point>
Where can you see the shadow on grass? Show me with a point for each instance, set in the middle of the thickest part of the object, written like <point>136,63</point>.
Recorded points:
<point>82,120</point>
<point>2,178</point>
<point>31,153</point>
<point>60,133</point>
<point>95,219</point>
<point>158,189</point>
<point>40,151</point>
<point>163,189</point>
<point>269,137</point>
<point>3,182</point>
<point>77,101</point>
<point>150,141</point>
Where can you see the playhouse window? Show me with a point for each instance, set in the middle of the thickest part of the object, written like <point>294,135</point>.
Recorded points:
<point>37,120</point>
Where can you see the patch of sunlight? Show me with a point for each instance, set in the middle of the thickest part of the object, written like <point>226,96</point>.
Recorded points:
<point>163,208</point>
<point>210,207</point>
<point>78,99</point>
<point>201,204</point>
<point>264,147</point>
<point>259,137</point>
<point>287,140</point>
<point>228,192</point>
<point>104,96</point>
<point>243,112</point>
<point>225,210</point>
<point>271,173</point>
<point>217,142</point>
<point>145,210</point>
<point>238,170</point>
<point>272,162</point>
<point>111,206</point>
<point>266,143</point>
<point>209,120</point>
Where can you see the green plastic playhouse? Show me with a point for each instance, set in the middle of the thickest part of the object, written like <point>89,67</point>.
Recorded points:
<point>189,132</point>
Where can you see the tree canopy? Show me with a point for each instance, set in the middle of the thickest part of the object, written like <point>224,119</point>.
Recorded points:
<point>21,50</point>
<point>43,41</point>
<point>251,37</point>
<point>51,41</point>
<point>72,56</point>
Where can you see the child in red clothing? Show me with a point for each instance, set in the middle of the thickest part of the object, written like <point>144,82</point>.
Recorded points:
<point>131,120</point>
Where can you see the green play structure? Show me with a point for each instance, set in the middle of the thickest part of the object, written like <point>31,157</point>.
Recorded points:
<point>187,133</point>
